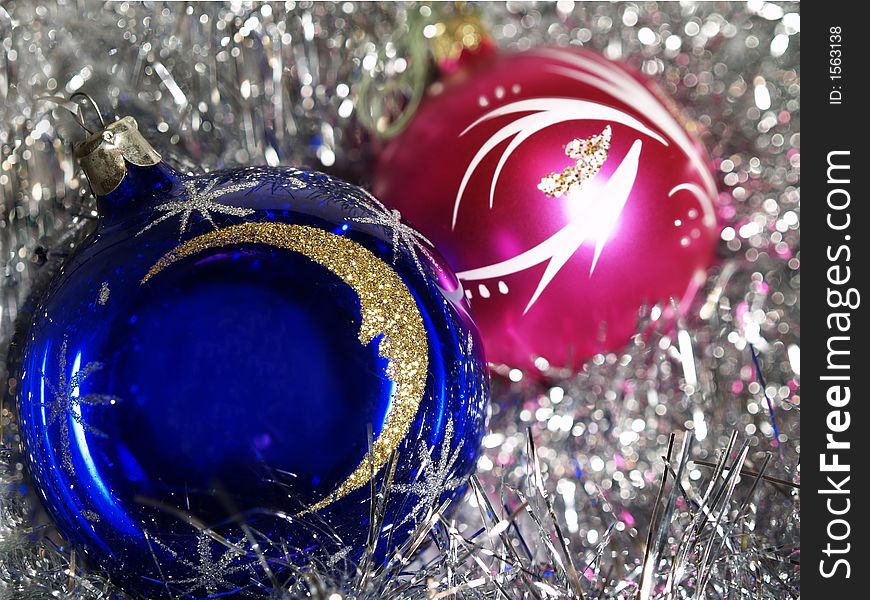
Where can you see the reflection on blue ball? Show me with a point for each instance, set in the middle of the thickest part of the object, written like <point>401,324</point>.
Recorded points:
<point>208,372</point>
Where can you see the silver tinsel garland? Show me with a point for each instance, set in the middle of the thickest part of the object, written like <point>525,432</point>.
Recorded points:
<point>668,470</point>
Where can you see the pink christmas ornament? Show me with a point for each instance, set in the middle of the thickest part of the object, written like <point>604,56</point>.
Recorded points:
<point>564,192</point>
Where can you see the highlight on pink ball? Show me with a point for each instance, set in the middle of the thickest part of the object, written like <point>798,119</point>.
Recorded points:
<point>564,192</point>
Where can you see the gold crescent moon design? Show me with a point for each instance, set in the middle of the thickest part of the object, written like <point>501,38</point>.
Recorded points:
<point>387,308</point>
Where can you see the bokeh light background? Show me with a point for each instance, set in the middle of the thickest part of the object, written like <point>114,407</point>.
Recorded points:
<point>223,84</point>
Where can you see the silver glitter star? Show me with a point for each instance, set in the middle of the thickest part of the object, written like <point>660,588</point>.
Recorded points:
<point>210,575</point>
<point>296,183</point>
<point>104,294</point>
<point>402,235</point>
<point>469,344</point>
<point>338,556</point>
<point>65,403</point>
<point>435,477</point>
<point>202,201</point>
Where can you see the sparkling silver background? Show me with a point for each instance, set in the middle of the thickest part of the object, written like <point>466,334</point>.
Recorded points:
<point>222,84</point>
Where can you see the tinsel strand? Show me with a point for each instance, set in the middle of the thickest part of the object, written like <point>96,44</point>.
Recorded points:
<point>221,84</point>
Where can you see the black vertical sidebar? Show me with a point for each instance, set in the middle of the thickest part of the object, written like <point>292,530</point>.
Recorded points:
<point>835,346</point>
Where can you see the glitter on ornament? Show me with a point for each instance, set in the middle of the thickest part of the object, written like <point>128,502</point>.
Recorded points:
<point>104,293</point>
<point>436,474</point>
<point>590,154</point>
<point>388,310</point>
<point>65,402</point>
<point>403,236</point>
<point>201,201</point>
<point>210,575</point>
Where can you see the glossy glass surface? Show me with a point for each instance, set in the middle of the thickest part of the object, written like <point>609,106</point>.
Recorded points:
<point>555,279</point>
<point>230,393</point>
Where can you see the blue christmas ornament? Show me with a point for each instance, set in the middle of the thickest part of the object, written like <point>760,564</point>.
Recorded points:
<point>219,376</point>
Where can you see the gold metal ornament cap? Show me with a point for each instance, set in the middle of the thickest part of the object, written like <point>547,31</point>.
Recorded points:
<point>456,34</point>
<point>104,155</point>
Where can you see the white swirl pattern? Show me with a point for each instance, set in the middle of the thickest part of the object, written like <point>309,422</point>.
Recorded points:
<point>607,204</point>
<point>548,112</point>
<point>559,248</point>
<point>625,88</point>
